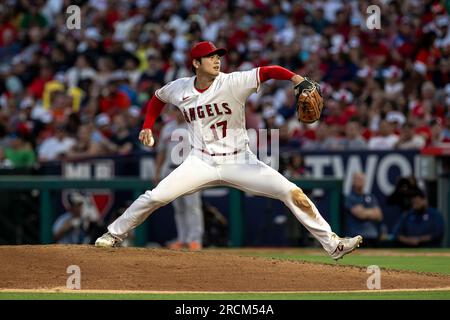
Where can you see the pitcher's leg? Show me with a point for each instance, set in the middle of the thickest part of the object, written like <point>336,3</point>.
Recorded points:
<point>306,212</point>
<point>135,214</point>
<point>260,179</point>
<point>192,175</point>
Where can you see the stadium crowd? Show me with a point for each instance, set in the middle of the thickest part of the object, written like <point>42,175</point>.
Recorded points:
<point>83,92</point>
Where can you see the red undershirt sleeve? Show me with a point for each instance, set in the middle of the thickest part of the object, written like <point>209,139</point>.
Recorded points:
<point>274,72</point>
<point>154,108</point>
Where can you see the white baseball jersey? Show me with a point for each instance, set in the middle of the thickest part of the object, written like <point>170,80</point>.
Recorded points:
<point>215,117</point>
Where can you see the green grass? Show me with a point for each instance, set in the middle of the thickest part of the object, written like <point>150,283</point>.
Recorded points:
<point>410,263</point>
<point>412,295</point>
<point>420,250</point>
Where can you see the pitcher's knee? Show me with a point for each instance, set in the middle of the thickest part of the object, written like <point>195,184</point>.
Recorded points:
<point>155,197</point>
<point>300,200</point>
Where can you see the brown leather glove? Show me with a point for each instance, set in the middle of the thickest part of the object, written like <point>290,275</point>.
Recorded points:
<point>309,101</point>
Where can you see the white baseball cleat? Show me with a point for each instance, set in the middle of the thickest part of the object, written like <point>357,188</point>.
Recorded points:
<point>107,240</point>
<point>345,245</point>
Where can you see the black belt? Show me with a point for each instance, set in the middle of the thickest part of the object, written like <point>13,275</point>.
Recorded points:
<point>218,154</point>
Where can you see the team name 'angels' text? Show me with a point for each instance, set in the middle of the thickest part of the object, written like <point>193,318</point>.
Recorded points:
<point>206,111</point>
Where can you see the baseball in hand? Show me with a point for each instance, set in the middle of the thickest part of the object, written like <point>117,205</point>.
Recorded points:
<point>146,137</point>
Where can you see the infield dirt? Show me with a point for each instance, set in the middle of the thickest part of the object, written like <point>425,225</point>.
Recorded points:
<point>44,267</point>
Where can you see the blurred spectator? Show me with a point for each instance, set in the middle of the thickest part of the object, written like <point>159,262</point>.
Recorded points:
<point>408,139</point>
<point>446,131</point>
<point>253,117</point>
<point>36,88</point>
<point>405,187</point>
<point>121,135</point>
<point>353,139</point>
<point>103,127</point>
<point>337,112</point>
<point>363,212</point>
<point>20,152</point>
<point>81,71</point>
<point>175,70</point>
<point>84,146</point>
<point>341,69</point>
<point>295,167</point>
<point>69,228</point>
<point>101,134</point>
<point>322,140</point>
<point>287,138</point>
<point>4,162</point>
<point>91,47</point>
<point>33,16</point>
<point>216,227</point>
<point>386,139</point>
<point>8,34</point>
<point>112,99</point>
<point>374,49</point>
<point>57,146</point>
<point>105,67</point>
<point>440,135</point>
<point>393,85</point>
<point>154,72</point>
<point>60,106</point>
<point>272,119</point>
<point>134,123</point>
<point>422,226</point>
<point>318,20</point>
<point>25,122</point>
<point>133,73</point>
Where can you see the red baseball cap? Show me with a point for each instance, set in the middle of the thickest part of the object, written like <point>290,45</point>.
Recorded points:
<point>205,48</point>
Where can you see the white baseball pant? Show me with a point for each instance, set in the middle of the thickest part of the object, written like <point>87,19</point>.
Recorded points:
<point>243,171</point>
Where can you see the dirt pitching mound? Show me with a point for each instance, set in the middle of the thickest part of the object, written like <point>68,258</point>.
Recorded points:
<point>44,267</point>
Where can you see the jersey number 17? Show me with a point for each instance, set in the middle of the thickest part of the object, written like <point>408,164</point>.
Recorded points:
<point>214,128</point>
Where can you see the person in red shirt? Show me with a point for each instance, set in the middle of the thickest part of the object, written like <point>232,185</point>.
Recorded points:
<point>113,100</point>
<point>8,33</point>
<point>403,42</point>
<point>428,54</point>
<point>36,88</point>
<point>260,28</point>
<point>377,53</point>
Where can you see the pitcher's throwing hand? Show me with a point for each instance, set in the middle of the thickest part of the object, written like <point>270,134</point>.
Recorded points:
<point>146,137</point>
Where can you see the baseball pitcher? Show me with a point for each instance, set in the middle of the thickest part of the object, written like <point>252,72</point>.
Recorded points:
<point>213,106</point>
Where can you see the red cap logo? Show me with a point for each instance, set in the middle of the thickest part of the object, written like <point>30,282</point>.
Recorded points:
<point>205,48</point>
